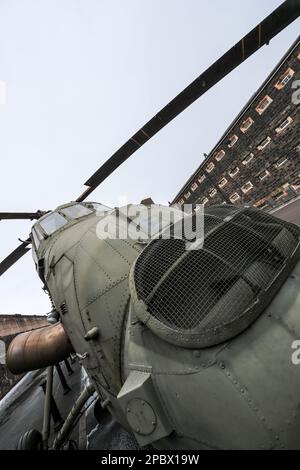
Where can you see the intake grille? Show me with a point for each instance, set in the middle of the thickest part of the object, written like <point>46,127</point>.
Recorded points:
<point>201,297</point>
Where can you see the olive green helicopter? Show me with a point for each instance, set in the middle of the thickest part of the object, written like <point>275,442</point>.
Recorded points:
<point>185,348</point>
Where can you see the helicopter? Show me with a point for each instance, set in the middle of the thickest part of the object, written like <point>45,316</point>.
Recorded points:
<point>186,341</point>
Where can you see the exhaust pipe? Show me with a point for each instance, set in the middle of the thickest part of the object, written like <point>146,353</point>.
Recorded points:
<point>38,348</point>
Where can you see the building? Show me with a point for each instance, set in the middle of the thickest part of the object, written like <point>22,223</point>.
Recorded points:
<point>257,160</point>
<point>10,326</point>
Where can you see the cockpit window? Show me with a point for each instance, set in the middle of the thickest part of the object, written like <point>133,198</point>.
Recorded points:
<point>76,211</point>
<point>37,237</point>
<point>99,208</point>
<point>52,222</point>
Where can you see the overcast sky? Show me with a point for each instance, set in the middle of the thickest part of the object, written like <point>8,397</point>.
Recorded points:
<point>83,75</point>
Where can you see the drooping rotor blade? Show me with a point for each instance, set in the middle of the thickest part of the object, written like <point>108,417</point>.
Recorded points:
<point>285,14</point>
<point>14,256</point>
<point>21,215</point>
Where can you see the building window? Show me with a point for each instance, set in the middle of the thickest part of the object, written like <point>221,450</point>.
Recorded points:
<point>247,159</point>
<point>296,184</point>
<point>212,192</point>
<point>234,171</point>
<point>194,186</point>
<point>279,195</point>
<point>234,197</point>
<point>203,201</point>
<point>284,79</point>
<point>219,155</point>
<point>222,182</point>
<point>280,162</point>
<point>201,178</point>
<point>264,143</point>
<point>210,167</point>
<point>262,204</point>
<point>181,202</point>
<point>246,124</point>
<point>284,125</point>
<point>232,141</point>
<point>263,174</point>
<point>263,104</point>
<point>187,195</point>
<point>247,187</point>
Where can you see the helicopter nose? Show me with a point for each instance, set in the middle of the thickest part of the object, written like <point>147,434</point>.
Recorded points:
<point>38,348</point>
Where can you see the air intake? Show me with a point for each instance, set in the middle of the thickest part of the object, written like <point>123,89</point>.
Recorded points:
<point>199,298</point>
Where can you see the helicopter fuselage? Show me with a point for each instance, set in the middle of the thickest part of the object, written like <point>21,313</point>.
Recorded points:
<point>241,393</point>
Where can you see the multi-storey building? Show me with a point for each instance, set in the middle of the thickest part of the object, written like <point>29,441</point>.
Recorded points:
<point>257,160</point>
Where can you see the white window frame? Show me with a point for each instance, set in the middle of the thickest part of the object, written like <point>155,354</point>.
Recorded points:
<point>278,165</point>
<point>296,186</point>
<point>204,201</point>
<point>234,197</point>
<point>247,159</point>
<point>284,125</point>
<point>285,78</point>
<point>262,177</point>
<point>246,190</point>
<point>279,195</point>
<point>187,195</point>
<point>235,172</point>
<point>245,127</point>
<point>201,178</point>
<point>264,143</point>
<point>260,108</point>
<point>194,186</point>
<point>219,155</point>
<point>209,168</point>
<point>212,192</point>
<point>232,140</point>
<point>222,182</point>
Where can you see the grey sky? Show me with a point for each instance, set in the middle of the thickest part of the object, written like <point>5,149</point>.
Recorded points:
<point>83,75</point>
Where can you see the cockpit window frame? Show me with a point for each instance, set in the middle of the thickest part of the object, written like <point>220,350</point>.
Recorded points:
<point>41,234</point>
<point>70,217</point>
<point>51,214</point>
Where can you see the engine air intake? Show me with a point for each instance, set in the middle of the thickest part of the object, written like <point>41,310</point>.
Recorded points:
<point>199,298</point>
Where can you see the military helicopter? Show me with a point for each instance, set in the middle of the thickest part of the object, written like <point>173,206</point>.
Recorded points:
<point>185,348</point>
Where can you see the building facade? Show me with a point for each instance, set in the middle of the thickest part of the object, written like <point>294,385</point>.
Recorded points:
<point>257,160</point>
<point>10,326</point>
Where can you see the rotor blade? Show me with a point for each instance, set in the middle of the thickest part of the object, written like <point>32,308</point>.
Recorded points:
<point>285,14</point>
<point>21,215</point>
<point>14,256</point>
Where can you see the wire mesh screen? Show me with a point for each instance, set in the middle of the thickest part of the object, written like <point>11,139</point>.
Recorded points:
<point>200,297</point>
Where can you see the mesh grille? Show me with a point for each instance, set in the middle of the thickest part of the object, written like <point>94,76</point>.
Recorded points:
<point>201,292</point>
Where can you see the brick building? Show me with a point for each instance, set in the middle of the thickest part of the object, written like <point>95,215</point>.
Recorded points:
<point>10,326</point>
<point>257,160</point>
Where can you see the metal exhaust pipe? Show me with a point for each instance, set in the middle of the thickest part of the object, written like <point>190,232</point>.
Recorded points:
<point>38,348</point>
